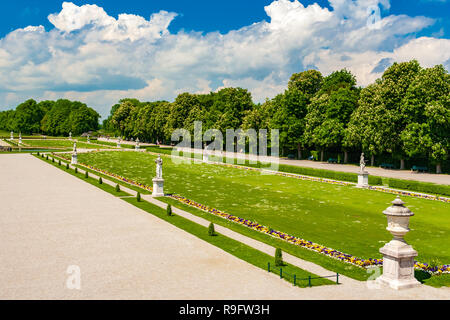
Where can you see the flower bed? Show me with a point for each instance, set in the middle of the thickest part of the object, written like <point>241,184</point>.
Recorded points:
<point>332,253</point>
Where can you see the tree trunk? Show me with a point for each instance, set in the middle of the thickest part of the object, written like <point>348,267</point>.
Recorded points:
<point>372,160</point>
<point>299,151</point>
<point>402,164</point>
<point>321,155</point>
<point>345,157</point>
<point>438,168</point>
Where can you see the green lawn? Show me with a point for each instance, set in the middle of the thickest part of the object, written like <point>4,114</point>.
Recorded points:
<point>343,218</point>
<point>62,144</point>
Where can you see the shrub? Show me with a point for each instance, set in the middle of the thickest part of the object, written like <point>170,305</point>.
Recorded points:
<point>169,210</point>
<point>53,159</point>
<point>38,153</point>
<point>86,174</point>
<point>419,186</point>
<point>211,231</point>
<point>375,181</point>
<point>67,166</point>
<point>76,170</point>
<point>138,197</point>
<point>117,188</point>
<point>279,258</point>
<point>59,162</point>
<point>100,181</point>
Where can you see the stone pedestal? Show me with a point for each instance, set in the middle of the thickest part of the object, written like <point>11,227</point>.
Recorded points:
<point>363,179</point>
<point>158,187</point>
<point>398,265</point>
<point>74,159</point>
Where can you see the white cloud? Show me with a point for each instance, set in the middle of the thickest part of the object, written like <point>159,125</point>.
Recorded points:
<point>94,57</point>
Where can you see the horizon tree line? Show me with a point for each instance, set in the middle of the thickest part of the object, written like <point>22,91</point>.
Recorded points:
<point>402,117</point>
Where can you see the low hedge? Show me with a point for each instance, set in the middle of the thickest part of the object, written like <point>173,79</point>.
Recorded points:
<point>419,186</point>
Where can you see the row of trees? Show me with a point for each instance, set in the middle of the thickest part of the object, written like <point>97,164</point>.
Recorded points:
<point>56,118</point>
<point>403,115</point>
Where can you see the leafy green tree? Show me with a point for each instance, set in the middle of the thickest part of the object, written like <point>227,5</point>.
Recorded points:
<point>329,112</point>
<point>426,105</point>
<point>307,82</point>
<point>27,117</point>
<point>382,116</point>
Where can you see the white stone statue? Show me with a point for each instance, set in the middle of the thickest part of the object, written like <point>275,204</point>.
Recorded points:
<point>70,135</point>
<point>362,162</point>
<point>20,137</point>
<point>88,139</point>
<point>74,147</point>
<point>118,142</point>
<point>137,144</point>
<point>12,135</point>
<point>159,164</point>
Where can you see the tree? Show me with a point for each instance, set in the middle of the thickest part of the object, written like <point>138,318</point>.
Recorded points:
<point>27,117</point>
<point>289,117</point>
<point>431,137</point>
<point>307,82</point>
<point>381,117</point>
<point>120,118</point>
<point>330,110</point>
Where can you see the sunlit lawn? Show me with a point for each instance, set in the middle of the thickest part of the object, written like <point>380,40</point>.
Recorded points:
<point>343,218</point>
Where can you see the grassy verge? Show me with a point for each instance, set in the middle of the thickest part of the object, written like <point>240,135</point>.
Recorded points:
<point>236,248</point>
<point>322,260</point>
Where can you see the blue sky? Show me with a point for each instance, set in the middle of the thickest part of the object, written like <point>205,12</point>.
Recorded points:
<point>161,48</point>
<point>202,15</point>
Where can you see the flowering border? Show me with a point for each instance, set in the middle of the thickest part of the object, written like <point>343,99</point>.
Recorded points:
<point>332,253</point>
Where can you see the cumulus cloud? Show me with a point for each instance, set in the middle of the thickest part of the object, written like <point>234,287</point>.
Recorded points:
<point>94,57</point>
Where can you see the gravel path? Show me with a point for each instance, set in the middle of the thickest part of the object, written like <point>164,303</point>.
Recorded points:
<point>51,220</point>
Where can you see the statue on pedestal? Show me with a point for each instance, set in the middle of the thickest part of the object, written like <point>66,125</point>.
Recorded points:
<point>158,181</point>
<point>12,135</point>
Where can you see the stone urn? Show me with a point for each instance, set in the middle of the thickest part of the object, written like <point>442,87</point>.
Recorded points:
<point>398,256</point>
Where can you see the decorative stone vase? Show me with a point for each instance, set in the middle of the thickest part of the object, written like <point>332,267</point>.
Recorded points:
<point>398,256</point>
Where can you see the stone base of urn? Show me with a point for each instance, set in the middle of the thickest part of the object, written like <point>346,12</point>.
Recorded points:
<point>398,266</point>
<point>74,159</point>
<point>363,180</point>
<point>158,187</point>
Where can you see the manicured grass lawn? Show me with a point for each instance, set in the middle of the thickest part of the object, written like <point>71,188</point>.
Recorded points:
<point>61,144</point>
<point>236,248</point>
<point>343,218</point>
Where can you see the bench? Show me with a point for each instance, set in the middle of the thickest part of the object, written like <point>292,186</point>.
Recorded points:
<point>291,156</point>
<point>332,160</point>
<point>387,166</point>
<point>419,169</point>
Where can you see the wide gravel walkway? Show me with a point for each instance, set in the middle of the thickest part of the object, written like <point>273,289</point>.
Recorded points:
<point>51,220</point>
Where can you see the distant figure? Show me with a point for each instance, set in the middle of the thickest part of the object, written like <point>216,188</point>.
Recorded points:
<point>159,164</point>
<point>311,158</point>
<point>362,162</point>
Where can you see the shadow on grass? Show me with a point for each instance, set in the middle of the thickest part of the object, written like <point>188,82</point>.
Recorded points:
<point>421,275</point>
